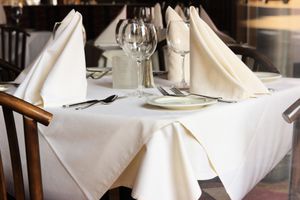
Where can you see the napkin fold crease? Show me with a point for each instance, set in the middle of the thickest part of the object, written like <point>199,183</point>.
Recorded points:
<point>215,69</point>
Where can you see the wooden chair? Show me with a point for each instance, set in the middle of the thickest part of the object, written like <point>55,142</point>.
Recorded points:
<point>253,59</point>
<point>292,115</point>
<point>8,72</point>
<point>31,116</point>
<point>13,45</point>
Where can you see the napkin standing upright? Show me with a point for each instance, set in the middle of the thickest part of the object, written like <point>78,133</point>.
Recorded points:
<point>58,75</point>
<point>2,15</point>
<point>174,60</point>
<point>157,16</point>
<point>215,69</point>
<point>107,37</point>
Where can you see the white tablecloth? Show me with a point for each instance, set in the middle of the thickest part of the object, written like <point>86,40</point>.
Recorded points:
<point>162,153</point>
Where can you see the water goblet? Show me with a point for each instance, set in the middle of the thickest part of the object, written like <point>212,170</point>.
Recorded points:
<point>118,32</point>
<point>139,42</point>
<point>143,13</point>
<point>178,41</point>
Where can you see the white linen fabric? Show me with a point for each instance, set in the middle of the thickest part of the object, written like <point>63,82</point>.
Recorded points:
<point>2,15</point>
<point>180,12</point>
<point>162,153</point>
<point>215,69</point>
<point>58,75</point>
<point>107,37</point>
<point>157,16</point>
<point>174,60</point>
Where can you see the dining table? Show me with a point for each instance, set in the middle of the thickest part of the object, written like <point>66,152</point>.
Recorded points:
<point>159,152</point>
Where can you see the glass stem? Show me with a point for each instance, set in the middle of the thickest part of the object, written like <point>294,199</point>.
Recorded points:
<point>139,78</point>
<point>183,70</point>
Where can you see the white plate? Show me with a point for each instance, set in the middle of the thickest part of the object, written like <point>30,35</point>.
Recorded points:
<point>97,69</point>
<point>180,103</point>
<point>267,76</point>
<point>3,88</point>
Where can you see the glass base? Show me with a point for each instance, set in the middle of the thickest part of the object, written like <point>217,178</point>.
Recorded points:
<point>139,94</point>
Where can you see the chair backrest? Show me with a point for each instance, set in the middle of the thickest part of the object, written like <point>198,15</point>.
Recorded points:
<point>292,115</point>
<point>253,59</point>
<point>13,45</point>
<point>8,72</point>
<point>31,116</point>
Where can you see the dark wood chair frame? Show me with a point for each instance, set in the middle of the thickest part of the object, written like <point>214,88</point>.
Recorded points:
<point>12,40</point>
<point>261,62</point>
<point>31,116</point>
<point>8,72</point>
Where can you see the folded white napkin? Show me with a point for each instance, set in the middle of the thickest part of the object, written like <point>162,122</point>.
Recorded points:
<point>2,15</point>
<point>107,37</point>
<point>157,16</point>
<point>174,60</point>
<point>215,69</point>
<point>180,12</point>
<point>58,75</point>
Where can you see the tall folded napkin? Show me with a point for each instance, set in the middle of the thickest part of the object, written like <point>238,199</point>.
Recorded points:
<point>58,75</point>
<point>174,60</point>
<point>157,16</point>
<point>215,69</point>
<point>180,12</point>
<point>2,15</point>
<point>107,37</point>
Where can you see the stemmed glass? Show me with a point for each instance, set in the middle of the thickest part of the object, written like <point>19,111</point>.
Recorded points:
<point>118,32</point>
<point>143,13</point>
<point>178,41</point>
<point>139,41</point>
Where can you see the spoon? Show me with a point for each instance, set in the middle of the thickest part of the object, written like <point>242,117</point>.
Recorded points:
<point>105,101</point>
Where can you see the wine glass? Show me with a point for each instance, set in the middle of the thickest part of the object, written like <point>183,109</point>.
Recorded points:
<point>178,41</point>
<point>118,32</point>
<point>143,13</point>
<point>139,41</point>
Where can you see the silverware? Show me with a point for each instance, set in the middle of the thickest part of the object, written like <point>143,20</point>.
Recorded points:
<point>89,101</point>
<point>179,93</point>
<point>97,75</point>
<point>105,101</point>
<point>163,91</point>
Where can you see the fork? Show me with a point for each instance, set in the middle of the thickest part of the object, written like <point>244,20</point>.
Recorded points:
<point>179,93</point>
<point>163,91</point>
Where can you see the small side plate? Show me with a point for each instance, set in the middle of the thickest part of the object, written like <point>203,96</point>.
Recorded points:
<point>267,76</point>
<point>3,88</point>
<point>180,103</point>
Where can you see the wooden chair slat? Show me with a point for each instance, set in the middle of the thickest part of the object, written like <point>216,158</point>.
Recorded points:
<point>14,153</point>
<point>9,47</point>
<point>33,158</point>
<point>31,116</point>
<point>2,181</point>
<point>13,40</point>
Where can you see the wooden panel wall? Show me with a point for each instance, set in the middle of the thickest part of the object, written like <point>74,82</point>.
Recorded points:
<point>97,17</point>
